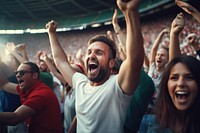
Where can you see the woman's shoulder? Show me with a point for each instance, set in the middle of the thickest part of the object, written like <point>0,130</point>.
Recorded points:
<point>150,118</point>
<point>150,125</point>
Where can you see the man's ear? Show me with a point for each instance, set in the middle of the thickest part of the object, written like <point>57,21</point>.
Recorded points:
<point>35,75</point>
<point>112,63</point>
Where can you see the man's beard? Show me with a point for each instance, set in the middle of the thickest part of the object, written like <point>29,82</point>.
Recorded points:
<point>101,76</point>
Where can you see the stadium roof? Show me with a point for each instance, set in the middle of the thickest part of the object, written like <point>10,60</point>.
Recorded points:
<point>33,14</point>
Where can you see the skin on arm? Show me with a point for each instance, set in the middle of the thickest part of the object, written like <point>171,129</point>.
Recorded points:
<point>156,45</point>
<point>22,49</point>
<point>59,56</point>
<point>110,34</point>
<point>12,50</point>
<point>146,60</point>
<point>72,128</point>
<point>20,114</point>
<point>189,9</point>
<point>122,54</point>
<point>52,68</point>
<point>121,49</point>
<point>129,72</point>
<point>79,57</point>
<point>120,34</point>
<point>7,86</point>
<point>176,27</point>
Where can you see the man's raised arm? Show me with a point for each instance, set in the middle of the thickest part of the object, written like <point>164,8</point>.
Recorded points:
<point>176,27</point>
<point>5,84</point>
<point>59,55</point>
<point>189,9</point>
<point>156,45</point>
<point>130,69</point>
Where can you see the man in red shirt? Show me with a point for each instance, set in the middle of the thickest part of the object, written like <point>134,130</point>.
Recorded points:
<point>40,108</point>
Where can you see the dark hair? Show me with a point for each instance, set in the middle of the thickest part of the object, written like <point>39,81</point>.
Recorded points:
<point>106,40</point>
<point>166,111</point>
<point>118,63</point>
<point>33,66</point>
<point>165,47</point>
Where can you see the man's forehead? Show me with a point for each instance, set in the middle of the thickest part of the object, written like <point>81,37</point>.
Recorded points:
<point>98,45</point>
<point>162,51</point>
<point>24,67</point>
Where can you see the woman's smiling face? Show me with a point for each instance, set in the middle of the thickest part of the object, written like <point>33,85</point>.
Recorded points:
<point>182,87</point>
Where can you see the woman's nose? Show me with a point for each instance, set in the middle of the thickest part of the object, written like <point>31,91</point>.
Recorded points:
<point>181,82</point>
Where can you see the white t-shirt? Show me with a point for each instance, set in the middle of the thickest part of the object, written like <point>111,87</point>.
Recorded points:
<point>156,77</point>
<point>99,109</point>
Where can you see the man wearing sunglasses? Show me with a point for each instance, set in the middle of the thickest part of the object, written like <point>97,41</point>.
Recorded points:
<point>40,108</point>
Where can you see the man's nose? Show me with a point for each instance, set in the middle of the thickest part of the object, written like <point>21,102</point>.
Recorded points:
<point>92,55</point>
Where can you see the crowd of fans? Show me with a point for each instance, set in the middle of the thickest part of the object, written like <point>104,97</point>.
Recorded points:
<point>151,81</point>
<point>74,40</point>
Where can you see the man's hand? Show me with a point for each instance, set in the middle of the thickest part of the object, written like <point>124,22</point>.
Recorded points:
<point>79,54</point>
<point>44,56</point>
<point>20,47</point>
<point>128,5</point>
<point>114,18</point>
<point>193,41</point>
<point>51,26</point>
<point>178,24</point>
<point>115,22</point>
<point>165,31</point>
<point>185,6</point>
<point>10,47</point>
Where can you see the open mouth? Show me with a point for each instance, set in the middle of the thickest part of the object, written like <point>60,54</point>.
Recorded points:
<point>21,81</point>
<point>158,61</point>
<point>181,95</point>
<point>93,67</point>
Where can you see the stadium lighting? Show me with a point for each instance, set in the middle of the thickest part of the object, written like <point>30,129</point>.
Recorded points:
<point>63,29</point>
<point>95,25</point>
<point>11,31</point>
<point>35,31</point>
<point>108,23</point>
<point>2,31</point>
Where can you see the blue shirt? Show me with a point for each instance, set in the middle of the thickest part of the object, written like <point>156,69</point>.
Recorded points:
<point>149,125</point>
<point>9,102</point>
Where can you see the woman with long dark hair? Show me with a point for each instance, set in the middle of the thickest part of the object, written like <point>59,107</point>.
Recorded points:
<point>178,109</point>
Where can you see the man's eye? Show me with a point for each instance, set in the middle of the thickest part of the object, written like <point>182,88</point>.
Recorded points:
<point>99,53</point>
<point>88,53</point>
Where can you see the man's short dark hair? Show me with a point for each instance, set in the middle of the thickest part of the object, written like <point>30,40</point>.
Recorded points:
<point>106,40</point>
<point>33,66</point>
<point>165,47</point>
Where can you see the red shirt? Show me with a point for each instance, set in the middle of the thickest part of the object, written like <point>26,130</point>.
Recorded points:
<point>43,100</point>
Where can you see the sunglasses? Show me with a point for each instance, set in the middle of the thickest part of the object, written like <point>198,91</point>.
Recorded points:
<point>22,72</point>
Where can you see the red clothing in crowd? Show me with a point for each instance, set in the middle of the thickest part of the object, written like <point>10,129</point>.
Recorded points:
<point>42,99</point>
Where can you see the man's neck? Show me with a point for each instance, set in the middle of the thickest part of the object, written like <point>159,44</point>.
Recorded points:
<point>160,69</point>
<point>100,82</point>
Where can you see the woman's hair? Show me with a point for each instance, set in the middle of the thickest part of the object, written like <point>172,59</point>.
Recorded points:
<point>166,111</point>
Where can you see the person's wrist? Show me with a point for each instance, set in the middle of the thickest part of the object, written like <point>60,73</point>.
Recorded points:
<point>51,31</point>
<point>117,31</point>
<point>174,33</point>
